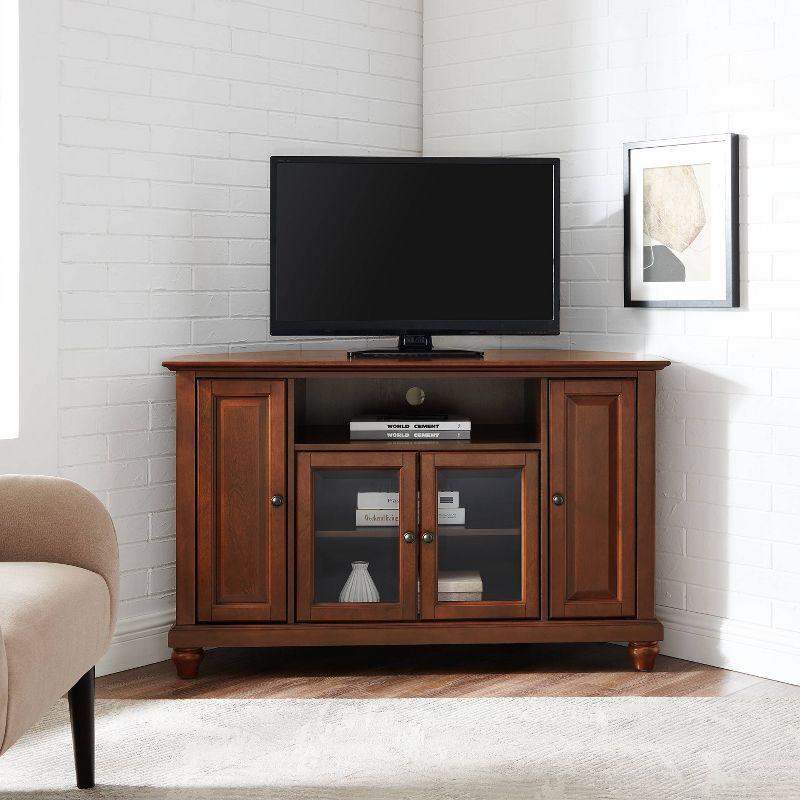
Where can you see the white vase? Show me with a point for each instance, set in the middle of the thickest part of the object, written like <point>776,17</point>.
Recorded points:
<point>359,587</point>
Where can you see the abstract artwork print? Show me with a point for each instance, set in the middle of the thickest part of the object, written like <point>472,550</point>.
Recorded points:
<point>681,243</point>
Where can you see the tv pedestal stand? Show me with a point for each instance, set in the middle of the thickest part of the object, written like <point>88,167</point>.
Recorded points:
<point>414,345</point>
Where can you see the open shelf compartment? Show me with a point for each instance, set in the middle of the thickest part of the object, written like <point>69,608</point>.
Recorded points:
<point>505,412</point>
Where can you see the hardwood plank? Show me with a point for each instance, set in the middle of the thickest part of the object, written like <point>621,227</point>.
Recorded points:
<point>579,670</point>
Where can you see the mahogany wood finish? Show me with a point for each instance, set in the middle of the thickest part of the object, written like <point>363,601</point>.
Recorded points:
<point>248,429</point>
<point>645,494</point>
<point>185,486</point>
<point>593,502</point>
<point>643,655</point>
<point>187,661</point>
<point>422,632</point>
<point>529,361</point>
<point>241,464</point>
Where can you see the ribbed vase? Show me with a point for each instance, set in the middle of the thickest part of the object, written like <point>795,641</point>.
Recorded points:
<point>359,587</point>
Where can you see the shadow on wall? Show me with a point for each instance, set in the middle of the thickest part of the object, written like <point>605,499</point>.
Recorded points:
<point>697,519</point>
<point>709,520</point>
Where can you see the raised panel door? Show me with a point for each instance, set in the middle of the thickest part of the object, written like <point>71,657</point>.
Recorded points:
<point>592,498</point>
<point>241,529</point>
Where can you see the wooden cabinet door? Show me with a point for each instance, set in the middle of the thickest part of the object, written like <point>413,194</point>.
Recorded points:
<point>479,556</point>
<point>592,498</point>
<point>356,518</point>
<point>241,465</point>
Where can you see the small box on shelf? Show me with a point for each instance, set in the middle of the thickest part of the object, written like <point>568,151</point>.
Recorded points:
<point>460,586</point>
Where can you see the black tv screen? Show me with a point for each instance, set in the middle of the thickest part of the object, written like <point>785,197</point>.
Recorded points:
<point>369,246</point>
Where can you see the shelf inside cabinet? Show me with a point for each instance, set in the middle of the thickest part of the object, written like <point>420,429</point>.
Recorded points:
<point>506,412</point>
<point>389,533</point>
<point>462,530</point>
<point>359,533</point>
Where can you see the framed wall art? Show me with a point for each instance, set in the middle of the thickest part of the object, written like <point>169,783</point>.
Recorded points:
<point>682,222</point>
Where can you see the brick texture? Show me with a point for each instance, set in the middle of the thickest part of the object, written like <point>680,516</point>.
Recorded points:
<point>169,113</point>
<point>576,79</point>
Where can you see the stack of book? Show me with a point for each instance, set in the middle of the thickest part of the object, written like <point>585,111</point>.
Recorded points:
<point>460,586</point>
<point>379,426</point>
<point>382,509</point>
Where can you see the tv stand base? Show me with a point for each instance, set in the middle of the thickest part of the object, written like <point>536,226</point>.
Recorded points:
<point>414,345</point>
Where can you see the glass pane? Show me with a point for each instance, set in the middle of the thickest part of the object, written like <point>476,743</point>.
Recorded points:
<point>480,534</point>
<point>356,536</point>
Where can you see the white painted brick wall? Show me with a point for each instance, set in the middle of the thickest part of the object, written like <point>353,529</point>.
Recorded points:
<point>169,113</point>
<point>576,79</point>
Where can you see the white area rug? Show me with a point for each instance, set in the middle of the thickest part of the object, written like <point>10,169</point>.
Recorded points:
<point>564,748</point>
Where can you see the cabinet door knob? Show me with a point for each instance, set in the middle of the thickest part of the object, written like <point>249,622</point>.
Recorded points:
<point>427,537</point>
<point>558,499</point>
<point>276,500</point>
<point>409,537</point>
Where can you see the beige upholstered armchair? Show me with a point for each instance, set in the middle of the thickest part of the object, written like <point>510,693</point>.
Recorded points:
<point>59,579</point>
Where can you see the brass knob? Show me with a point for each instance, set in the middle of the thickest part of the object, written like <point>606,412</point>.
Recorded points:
<point>558,499</point>
<point>276,500</point>
<point>427,537</point>
<point>409,537</point>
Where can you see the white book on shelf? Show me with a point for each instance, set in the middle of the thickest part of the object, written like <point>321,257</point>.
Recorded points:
<point>383,500</point>
<point>385,422</point>
<point>378,500</point>
<point>377,517</point>
<point>407,434</point>
<point>458,586</point>
<point>452,516</point>
<point>460,581</point>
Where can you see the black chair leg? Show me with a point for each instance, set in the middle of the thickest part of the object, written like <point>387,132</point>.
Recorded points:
<point>81,717</point>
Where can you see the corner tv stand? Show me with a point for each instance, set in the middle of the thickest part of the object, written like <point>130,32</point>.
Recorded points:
<point>557,486</point>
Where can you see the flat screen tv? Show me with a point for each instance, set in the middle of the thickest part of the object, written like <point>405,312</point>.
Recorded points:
<point>414,247</point>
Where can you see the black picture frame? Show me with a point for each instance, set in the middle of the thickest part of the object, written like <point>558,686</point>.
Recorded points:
<point>731,142</point>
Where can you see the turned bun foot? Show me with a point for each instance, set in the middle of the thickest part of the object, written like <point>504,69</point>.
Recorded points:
<point>187,661</point>
<point>643,655</point>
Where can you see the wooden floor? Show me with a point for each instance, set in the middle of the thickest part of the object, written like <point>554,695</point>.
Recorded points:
<point>465,671</point>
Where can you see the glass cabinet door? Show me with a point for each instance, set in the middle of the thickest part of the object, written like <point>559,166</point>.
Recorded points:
<point>356,536</point>
<point>479,555</point>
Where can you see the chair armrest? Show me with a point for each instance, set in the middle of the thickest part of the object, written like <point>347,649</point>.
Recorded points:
<point>56,520</point>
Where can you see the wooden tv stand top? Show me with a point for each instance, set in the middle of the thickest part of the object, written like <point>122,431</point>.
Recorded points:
<point>508,360</point>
